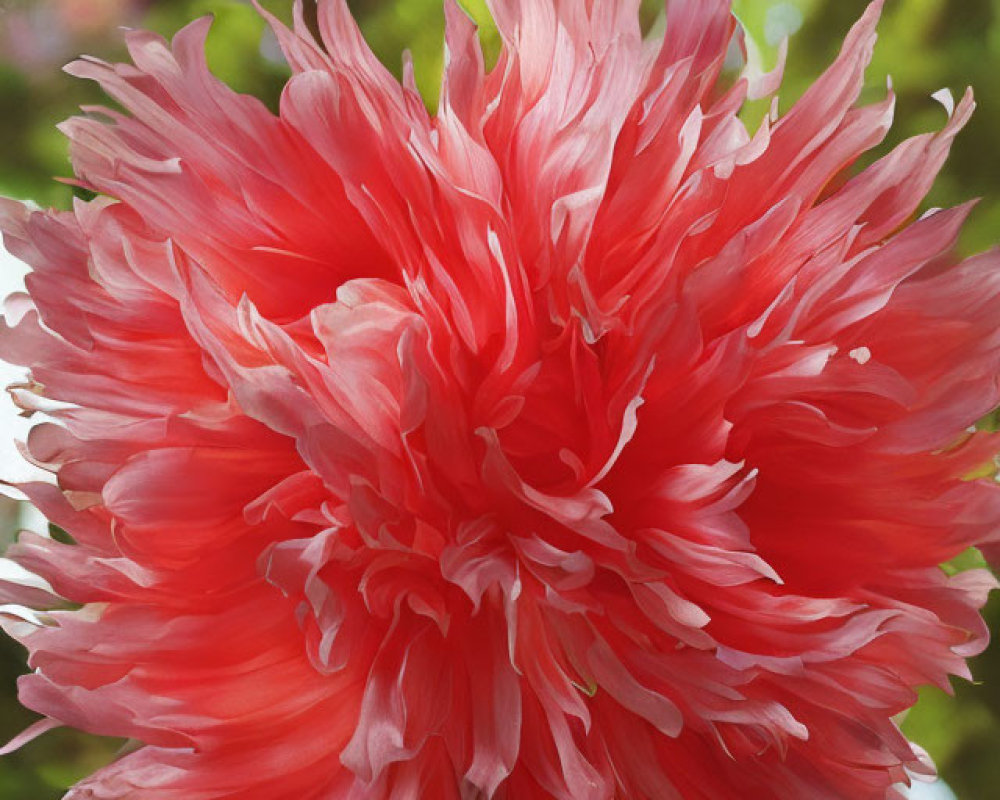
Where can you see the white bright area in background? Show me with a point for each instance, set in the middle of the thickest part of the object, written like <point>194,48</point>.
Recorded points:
<point>13,427</point>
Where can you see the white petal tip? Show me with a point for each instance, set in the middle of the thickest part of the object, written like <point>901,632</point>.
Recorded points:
<point>946,99</point>
<point>861,354</point>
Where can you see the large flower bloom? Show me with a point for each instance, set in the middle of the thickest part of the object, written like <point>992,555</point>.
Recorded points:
<point>571,443</point>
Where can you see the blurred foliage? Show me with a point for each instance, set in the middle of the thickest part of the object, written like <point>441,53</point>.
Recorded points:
<point>925,45</point>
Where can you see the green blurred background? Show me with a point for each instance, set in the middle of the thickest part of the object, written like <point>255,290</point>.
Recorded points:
<point>925,45</point>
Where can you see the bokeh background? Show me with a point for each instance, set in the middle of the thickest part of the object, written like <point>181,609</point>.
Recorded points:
<point>925,45</point>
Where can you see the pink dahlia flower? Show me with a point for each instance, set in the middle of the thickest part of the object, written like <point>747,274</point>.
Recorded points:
<point>571,443</point>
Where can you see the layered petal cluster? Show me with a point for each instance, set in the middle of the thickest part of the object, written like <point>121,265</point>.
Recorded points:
<point>574,442</point>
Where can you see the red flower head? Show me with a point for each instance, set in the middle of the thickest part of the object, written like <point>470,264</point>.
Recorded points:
<point>571,443</point>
